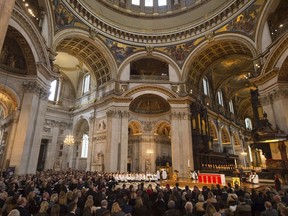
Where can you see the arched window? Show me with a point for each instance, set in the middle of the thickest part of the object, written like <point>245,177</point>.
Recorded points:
<point>86,83</point>
<point>248,124</point>
<point>231,106</point>
<point>205,86</point>
<point>162,2</point>
<point>53,90</point>
<point>85,144</point>
<point>149,3</point>
<point>135,2</point>
<point>220,98</point>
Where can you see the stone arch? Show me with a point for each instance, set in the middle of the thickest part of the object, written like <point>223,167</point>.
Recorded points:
<point>47,28</point>
<point>236,139</point>
<point>9,101</point>
<point>93,53</point>
<point>23,24</point>
<point>134,127</point>
<point>275,59</point>
<point>156,55</point>
<point>213,130</point>
<point>283,73</point>
<point>149,104</point>
<point>235,39</point>
<point>162,128</point>
<point>225,136</point>
<point>82,144</point>
<point>17,56</point>
<point>162,136</point>
<point>150,89</point>
<point>270,6</point>
<point>81,125</point>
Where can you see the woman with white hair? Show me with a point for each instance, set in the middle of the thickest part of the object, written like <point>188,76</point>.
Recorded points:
<point>188,209</point>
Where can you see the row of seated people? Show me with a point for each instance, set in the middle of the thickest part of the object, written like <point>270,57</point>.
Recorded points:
<point>136,177</point>
<point>87,194</point>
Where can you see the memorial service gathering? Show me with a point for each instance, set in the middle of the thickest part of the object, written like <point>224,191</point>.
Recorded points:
<point>143,107</point>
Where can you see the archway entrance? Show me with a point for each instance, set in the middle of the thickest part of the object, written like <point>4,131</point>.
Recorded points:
<point>149,134</point>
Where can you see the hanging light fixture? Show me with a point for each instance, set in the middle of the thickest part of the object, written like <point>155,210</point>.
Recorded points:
<point>69,140</point>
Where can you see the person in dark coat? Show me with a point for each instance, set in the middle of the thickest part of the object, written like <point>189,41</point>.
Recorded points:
<point>269,210</point>
<point>277,183</point>
<point>242,207</point>
<point>159,207</point>
<point>171,209</point>
<point>22,207</point>
<point>72,207</point>
<point>139,209</point>
<point>103,209</point>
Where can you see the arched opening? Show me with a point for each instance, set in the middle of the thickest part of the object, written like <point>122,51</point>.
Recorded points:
<point>149,69</point>
<point>16,56</point>
<point>81,146</point>
<point>8,106</point>
<point>225,140</point>
<point>214,134</point>
<point>163,145</point>
<point>149,134</point>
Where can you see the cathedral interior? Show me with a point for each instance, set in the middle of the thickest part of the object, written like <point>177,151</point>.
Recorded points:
<point>138,86</point>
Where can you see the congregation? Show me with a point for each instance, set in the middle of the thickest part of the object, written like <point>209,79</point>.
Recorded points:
<point>51,193</point>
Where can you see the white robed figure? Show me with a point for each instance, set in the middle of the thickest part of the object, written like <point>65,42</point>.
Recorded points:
<point>158,175</point>
<point>193,175</point>
<point>164,175</point>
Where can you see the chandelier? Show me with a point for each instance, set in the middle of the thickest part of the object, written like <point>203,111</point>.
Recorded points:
<point>69,140</point>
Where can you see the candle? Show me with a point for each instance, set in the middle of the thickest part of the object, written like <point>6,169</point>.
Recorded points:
<point>188,163</point>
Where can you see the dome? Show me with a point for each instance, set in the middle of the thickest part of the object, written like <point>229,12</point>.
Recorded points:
<point>176,21</point>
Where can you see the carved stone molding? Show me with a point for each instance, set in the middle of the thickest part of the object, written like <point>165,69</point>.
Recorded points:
<point>99,138</point>
<point>149,50</point>
<point>148,125</point>
<point>33,87</point>
<point>118,114</point>
<point>53,123</point>
<point>93,33</point>
<point>159,89</point>
<point>151,139</point>
<point>180,115</point>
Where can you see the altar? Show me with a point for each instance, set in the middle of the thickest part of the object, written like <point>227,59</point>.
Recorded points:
<point>211,178</point>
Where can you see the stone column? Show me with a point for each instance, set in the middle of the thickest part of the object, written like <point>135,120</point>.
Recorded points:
<point>112,154</point>
<point>27,137</point>
<point>181,142</point>
<point>124,141</point>
<point>91,144</point>
<point>51,150</point>
<point>6,8</point>
<point>39,123</point>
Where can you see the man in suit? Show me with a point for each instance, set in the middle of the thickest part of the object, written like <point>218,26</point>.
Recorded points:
<point>242,207</point>
<point>103,209</point>
<point>269,210</point>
